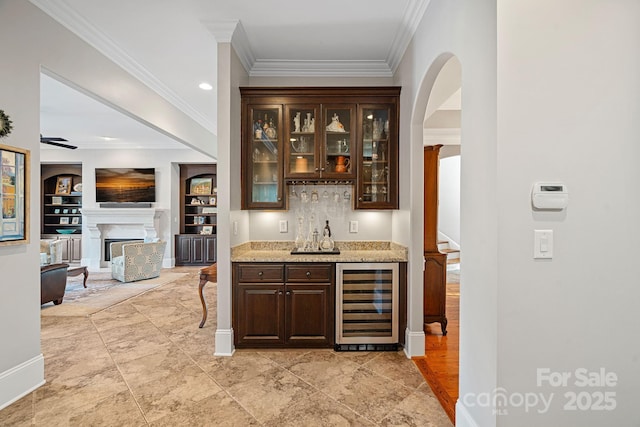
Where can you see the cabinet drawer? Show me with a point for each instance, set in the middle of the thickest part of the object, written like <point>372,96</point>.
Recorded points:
<point>310,273</point>
<point>260,273</point>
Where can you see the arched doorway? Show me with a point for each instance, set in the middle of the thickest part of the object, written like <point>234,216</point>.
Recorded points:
<point>438,113</point>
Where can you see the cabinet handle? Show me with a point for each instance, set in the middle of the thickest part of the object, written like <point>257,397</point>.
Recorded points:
<point>279,199</point>
<point>260,274</point>
<point>308,275</point>
<point>317,169</point>
<point>360,198</point>
<point>322,169</point>
<point>279,292</point>
<point>288,292</point>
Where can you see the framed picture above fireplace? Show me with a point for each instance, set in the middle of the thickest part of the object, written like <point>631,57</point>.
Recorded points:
<point>125,185</point>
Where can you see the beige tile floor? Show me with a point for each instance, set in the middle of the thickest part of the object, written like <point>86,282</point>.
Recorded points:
<point>145,362</point>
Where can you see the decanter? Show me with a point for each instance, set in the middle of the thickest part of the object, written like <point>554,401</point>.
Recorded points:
<point>327,243</point>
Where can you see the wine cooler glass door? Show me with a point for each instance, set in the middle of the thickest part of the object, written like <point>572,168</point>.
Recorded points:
<point>367,303</point>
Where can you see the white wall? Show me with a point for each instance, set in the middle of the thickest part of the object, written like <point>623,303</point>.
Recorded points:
<point>231,75</point>
<point>466,29</point>
<point>549,92</point>
<point>38,41</point>
<point>21,361</point>
<point>568,102</point>
<point>449,199</point>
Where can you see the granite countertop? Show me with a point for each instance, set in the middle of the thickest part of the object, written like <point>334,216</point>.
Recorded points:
<point>279,251</point>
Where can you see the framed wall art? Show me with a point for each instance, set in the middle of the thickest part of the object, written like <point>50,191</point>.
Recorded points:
<point>200,186</point>
<point>14,195</point>
<point>63,185</point>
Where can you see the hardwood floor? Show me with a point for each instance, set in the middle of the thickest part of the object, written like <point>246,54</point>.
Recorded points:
<point>440,364</point>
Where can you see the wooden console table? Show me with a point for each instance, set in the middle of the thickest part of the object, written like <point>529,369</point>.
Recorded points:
<point>207,274</point>
<point>76,271</point>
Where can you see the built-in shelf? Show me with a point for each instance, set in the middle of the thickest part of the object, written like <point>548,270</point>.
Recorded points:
<point>196,243</point>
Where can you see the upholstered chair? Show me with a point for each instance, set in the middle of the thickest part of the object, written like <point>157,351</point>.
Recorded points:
<point>53,281</point>
<point>131,261</point>
<point>53,249</point>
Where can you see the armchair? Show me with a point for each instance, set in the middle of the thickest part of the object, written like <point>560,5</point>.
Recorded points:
<point>53,249</point>
<point>53,281</point>
<point>131,261</point>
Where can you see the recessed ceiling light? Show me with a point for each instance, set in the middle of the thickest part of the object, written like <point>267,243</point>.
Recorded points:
<point>108,138</point>
<point>205,86</point>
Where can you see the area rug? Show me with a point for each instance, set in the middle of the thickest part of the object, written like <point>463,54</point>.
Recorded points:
<point>102,292</point>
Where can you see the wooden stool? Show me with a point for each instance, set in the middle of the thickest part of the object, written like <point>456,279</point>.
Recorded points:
<point>207,274</point>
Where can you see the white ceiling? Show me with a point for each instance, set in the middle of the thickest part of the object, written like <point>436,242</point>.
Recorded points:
<point>89,124</point>
<point>171,47</point>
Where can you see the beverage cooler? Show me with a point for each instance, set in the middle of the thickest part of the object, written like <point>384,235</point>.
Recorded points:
<point>367,306</point>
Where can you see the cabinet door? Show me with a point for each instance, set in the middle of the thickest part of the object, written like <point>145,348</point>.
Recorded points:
<point>338,145</point>
<point>262,151</point>
<point>301,150</point>
<point>66,249</point>
<point>309,294</point>
<point>75,249</point>
<point>210,254</point>
<point>183,249</point>
<point>259,314</point>
<point>197,249</point>
<point>309,315</point>
<point>377,186</point>
<point>435,289</point>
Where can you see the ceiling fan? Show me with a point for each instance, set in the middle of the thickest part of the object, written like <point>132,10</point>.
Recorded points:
<point>57,141</point>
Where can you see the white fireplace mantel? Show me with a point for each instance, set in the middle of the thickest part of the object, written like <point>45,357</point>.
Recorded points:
<point>134,223</point>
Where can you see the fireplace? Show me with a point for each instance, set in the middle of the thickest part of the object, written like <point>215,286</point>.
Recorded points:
<point>107,246</point>
<point>116,224</point>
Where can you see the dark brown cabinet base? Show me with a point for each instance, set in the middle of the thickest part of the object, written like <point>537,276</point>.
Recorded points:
<point>283,305</point>
<point>195,249</point>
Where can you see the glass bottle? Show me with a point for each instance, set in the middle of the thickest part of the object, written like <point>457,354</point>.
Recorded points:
<point>314,240</point>
<point>300,235</point>
<point>327,243</point>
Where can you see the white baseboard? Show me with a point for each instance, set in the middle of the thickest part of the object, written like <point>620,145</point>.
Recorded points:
<point>224,342</point>
<point>463,417</point>
<point>21,380</point>
<point>413,343</point>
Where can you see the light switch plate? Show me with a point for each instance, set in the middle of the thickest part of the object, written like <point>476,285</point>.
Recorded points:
<point>542,244</point>
<point>353,226</point>
<point>284,226</point>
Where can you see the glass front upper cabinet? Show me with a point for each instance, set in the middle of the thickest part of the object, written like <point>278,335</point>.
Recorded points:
<point>376,185</point>
<point>320,147</point>
<point>264,174</point>
<point>301,149</point>
<point>339,142</point>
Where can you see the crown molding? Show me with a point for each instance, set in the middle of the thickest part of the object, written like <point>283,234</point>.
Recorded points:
<point>232,31</point>
<point>411,19</point>
<point>77,24</point>
<point>330,68</point>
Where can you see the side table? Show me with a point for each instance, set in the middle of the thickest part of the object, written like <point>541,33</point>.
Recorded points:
<point>76,271</point>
